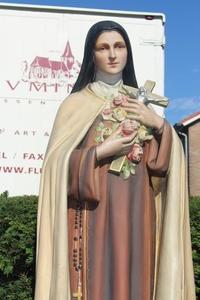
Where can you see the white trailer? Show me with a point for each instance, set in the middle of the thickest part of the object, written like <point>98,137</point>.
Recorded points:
<point>40,57</point>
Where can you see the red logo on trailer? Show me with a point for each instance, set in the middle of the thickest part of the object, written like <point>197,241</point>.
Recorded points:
<point>61,72</point>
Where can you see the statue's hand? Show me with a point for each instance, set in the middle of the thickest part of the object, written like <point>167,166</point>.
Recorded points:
<point>115,145</point>
<point>138,111</point>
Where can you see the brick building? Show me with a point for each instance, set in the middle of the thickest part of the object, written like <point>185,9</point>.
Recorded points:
<point>189,132</point>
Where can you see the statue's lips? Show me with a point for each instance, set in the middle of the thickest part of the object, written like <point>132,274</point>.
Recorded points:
<point>113,64</point>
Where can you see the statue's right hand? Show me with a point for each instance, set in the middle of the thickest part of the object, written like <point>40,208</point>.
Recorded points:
<point>115,145</point>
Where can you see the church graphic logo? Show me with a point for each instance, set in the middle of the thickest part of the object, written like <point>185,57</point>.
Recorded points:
<point>60,73</point>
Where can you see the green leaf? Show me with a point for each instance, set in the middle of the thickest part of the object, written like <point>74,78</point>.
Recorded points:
<point>115,125</point>
<point>100,126</point>
<point>8,269</point>
<point>97,139</point>
<point>132,168</point>
<point>125,173</point>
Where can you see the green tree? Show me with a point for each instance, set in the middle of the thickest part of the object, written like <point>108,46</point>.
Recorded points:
<point>195,235</point>
<point>17,246</point>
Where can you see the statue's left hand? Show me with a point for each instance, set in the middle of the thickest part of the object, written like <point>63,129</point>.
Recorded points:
<point>138,111</point>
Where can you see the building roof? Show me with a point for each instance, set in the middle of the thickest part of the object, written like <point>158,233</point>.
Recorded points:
<point>190,119</point>
<point>57,65</point>
<point>41,61</point>
<point>50,64</point>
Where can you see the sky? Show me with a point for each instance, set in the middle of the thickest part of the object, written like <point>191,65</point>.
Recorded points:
<point>182,30</point>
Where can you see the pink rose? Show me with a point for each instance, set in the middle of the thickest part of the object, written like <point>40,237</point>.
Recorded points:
<point>136,153</point>
<point>129,126</point>
<point>124,100</point>
<point>119,100</point>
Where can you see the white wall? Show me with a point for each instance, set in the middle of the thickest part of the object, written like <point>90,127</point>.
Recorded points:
<point>28,101</point>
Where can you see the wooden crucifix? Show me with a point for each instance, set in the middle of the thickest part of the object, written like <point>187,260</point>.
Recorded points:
<point>146,91</point>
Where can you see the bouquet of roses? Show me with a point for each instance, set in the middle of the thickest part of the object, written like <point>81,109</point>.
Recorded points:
<point>115,113</point>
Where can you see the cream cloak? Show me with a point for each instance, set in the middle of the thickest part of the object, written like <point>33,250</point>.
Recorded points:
<point>174,271</point>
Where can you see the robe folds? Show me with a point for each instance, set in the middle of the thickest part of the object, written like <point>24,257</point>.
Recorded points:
<point>173,274</point>
<point>115,241</point>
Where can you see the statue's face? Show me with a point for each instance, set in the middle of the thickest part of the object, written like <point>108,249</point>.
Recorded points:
<point>110,53</point>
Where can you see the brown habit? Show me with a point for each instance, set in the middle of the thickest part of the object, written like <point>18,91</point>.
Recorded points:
<point>114,257</point>
<point>118,220</point>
